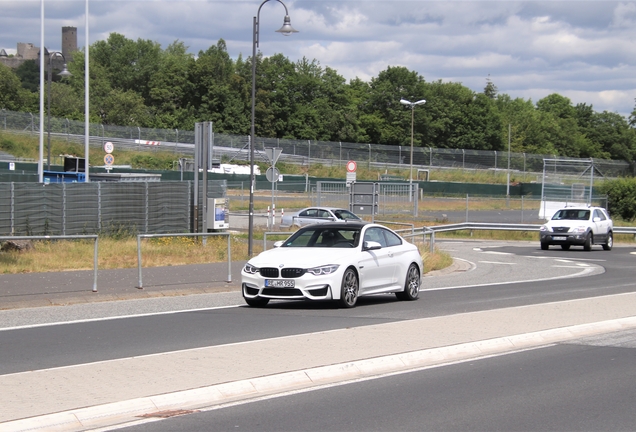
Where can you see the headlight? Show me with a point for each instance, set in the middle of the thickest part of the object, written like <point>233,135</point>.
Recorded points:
<point>323,270</point>
<point>249,268</point>
<point>579,229</point>
<point>544,228</point>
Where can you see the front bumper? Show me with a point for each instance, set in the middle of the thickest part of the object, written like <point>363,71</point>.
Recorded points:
<point>553,238</point>
<point>306,287</point>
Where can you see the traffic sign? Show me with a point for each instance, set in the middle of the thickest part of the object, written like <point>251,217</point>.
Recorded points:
<point>109,147</point>
<point>272,174</point>
<point>273,154</point>
<point>352,166</point>
<point>109,159</point>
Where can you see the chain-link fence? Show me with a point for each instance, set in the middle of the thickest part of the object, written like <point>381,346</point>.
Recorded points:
<point>306,152</point>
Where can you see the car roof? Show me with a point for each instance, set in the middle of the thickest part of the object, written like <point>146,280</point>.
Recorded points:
<point>581,208</point>
<point>338,225</point>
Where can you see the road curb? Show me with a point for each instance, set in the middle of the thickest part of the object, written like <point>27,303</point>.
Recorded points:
<point>131,410</point>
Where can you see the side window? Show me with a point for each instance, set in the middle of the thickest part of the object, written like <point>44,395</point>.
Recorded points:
<point>391,238</point>
<point>304,213</point>
<point>599,214</point>
<point>375,234</point>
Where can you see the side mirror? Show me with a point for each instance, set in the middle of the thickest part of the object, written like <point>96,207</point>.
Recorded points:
<point>371,245</point>
<point>278,243</point>
<point>597,219</point>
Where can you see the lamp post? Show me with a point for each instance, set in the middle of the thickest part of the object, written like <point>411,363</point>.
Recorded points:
<point>65,73</point>
<point>286,30</point>
<point>412,106</point>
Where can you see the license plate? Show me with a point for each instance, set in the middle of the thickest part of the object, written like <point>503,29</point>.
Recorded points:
<point>559,238</point>
<point>280,283</point>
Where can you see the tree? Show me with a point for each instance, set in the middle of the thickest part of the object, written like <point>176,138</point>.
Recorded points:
<point>171,89</point>
<point>218,94</point>
<point>130,65</point>
<point>124,108</point>
<point>12,95</point>
<point>384,119</point>
<point>29,74</point>
<point>490,90</point>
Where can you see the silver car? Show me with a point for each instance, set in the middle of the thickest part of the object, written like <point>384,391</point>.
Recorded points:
<point>578,226</point>
<point>313,215</point>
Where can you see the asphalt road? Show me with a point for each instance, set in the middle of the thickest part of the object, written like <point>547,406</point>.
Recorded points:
<point>91,340</point>
<point>125,337</point>
<point>586,384</point>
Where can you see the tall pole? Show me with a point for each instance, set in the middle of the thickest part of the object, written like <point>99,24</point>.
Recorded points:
<point>250,233</point>
<point>508,177</point>
<point>86,100</point>
<point>412,106</point>
<point>48,116</point>
<point>286,30</point>
<point>412,120</point>
<point>41,154</point>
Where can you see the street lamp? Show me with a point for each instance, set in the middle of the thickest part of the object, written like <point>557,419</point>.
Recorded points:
<point>286,30</point>
<point>65,73</point>
<point>412,105</point>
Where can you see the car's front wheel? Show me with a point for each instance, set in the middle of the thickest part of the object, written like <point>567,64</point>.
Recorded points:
<point>545,246</point>
<point>609,243</point>
<point>350,288</point>
<point>411,286</point>
<point>587,246</point>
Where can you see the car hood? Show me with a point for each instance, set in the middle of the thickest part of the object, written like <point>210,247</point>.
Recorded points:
<point>302,257</point>
<point>566,223</point>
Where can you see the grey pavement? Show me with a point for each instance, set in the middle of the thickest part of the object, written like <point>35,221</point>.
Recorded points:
<point>103,394</point>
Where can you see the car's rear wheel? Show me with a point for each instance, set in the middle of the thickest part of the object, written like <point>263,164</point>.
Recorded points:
<point>565,246</point>
<point>587,246</point>
<point>609,243</point>
<point>350,288</point>
<point>411,286</point>
<point>256,301</point>
<point>545,246</point>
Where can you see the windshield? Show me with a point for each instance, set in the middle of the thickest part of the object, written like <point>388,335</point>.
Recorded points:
<point>324,237</point>
<point>571,214</point>
<point>345,214</point>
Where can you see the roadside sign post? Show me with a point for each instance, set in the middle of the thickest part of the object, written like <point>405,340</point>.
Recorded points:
<point>272,175</point>
<point>109,159</point>
<point>352,166</point>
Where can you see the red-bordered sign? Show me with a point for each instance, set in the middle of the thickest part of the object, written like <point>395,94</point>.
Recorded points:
<point>352,166</point>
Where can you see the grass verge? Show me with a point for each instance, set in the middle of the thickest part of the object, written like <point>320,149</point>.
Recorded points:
<point>67,255</point>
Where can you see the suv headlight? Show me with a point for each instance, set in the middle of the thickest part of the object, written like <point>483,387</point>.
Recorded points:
<point>544,228</point>
<point>249,268</point>
<point>323,270</point>
<point>579,229</point>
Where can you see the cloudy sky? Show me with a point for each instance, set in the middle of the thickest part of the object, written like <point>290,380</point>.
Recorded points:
<point>584,50</point>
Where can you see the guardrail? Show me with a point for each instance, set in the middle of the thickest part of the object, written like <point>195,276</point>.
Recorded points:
<point>229,249</point>
<point>273,233</point>
<point>430,231</point>
<point>64,237</point>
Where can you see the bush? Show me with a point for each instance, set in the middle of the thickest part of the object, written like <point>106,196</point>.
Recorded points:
<point>621,197</point>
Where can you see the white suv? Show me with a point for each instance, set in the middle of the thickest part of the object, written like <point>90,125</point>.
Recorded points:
<point>579,226</point>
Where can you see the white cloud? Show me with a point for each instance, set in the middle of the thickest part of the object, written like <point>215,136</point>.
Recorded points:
<point>530,49</point>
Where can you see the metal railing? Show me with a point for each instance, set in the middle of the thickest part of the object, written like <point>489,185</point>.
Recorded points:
<point>432,230</point>
<point>273,233</point>
<point>64,237</point>
<point>205,235</point>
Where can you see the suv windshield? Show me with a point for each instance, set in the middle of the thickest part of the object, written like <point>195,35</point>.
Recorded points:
<point>571,214</point>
